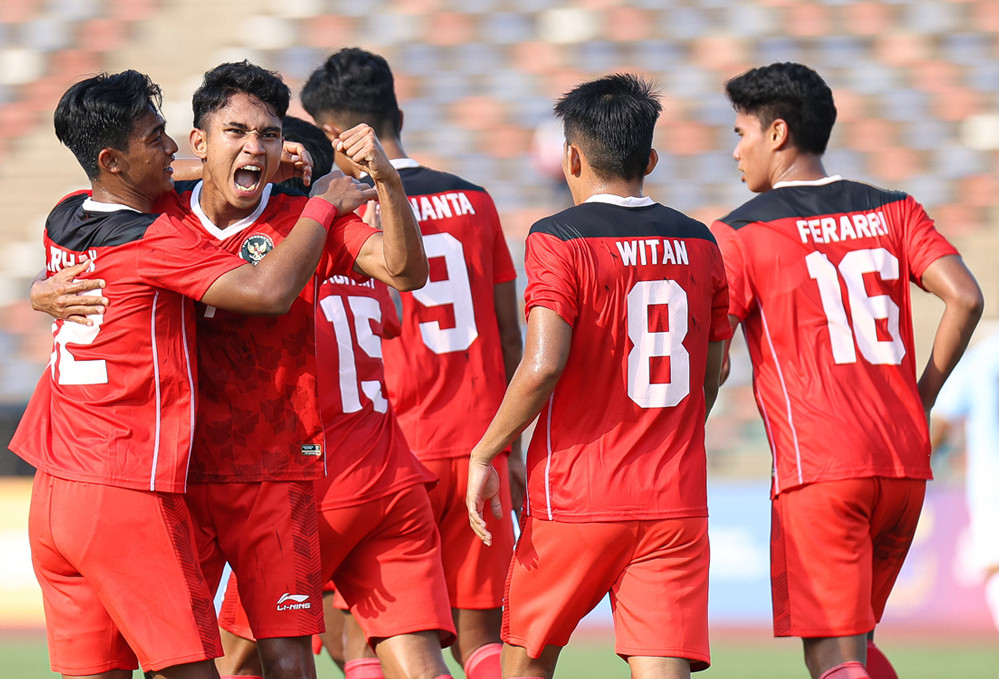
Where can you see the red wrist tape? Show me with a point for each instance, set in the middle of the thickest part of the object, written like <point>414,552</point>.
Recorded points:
<point>319,210</point>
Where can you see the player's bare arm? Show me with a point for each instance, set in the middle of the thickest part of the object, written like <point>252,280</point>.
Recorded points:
<point>717,352</point>
<point>295,163</point>
<point>270,286</point>
<point>395,256</point>
<point>949,279</point>
<point>549,338</point>
<point>512,345</point>
<point>726,366</point>
<point>66,297</point>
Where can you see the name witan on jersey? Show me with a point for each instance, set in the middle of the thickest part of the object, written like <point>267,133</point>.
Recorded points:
<point>59,259</point>
<point>845,227</point>
<point>648,251</point>
<point>442,206</point>
<point>347,280</point>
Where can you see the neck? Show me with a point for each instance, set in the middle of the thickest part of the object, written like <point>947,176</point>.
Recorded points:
<point>582,190</point>
<point>393,148</point>
<point>800,168</point>
<point>121,195</point>
<point>218,210</point>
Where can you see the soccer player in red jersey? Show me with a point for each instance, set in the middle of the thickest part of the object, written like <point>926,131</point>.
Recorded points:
<point>460,343</point>
<point>378,538</point>
<point>819,270</point>
<point>626,304</point>
<point>259,444</point>
<point>110,424</point>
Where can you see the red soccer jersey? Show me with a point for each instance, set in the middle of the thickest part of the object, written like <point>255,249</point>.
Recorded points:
<point>622,436</point>
<point>258,415</point>
<point>116,406</point>
<point>448,358</point>
<point>369,458</point>
<point>819,276</point>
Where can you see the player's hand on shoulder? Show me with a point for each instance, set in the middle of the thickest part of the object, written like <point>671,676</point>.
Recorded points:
<point>296,163</point>
<point>362,149</point>
<point>65,297</point>
<point>345,193</point>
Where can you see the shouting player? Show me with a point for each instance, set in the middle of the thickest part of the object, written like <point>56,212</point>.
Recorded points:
<point>259,445</point>
<point>818,270</point>
<point>110,425</point>
<point>626,305</point>
<point>459,345</point>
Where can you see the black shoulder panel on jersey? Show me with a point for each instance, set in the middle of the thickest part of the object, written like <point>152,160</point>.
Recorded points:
<point>73,228</point>
<point>281,189</point>
<point>185,186</point>
<point>422,181</point>
<point>604,220</point>
<point>811,201</point>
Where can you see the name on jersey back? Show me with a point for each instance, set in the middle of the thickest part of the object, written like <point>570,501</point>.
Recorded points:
<point>441,206</point>
<point>652,251</point>
<point>844,227</point>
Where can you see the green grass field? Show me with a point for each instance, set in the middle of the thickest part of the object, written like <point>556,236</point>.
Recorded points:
<point>23,656</point>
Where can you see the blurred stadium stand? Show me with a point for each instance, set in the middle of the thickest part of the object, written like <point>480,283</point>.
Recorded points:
<point>916,82</point>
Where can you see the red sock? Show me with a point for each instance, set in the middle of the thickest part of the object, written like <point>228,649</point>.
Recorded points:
<point>363,668</point>
<point>848,670</point>
<point>484,662</point>
<point>878,665</point>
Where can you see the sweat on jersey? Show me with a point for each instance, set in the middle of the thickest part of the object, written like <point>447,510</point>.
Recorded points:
<point>117,403</point>
<point>622,435</point>
<point>819,275</point>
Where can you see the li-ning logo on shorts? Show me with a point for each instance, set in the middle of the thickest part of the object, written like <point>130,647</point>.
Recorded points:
<point>293,602</point>
<point>255,247</point>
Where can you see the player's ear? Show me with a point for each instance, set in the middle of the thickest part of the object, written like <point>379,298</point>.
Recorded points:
<point>779,133</point>
<point>199,143</point>
<point>108,161</point>
<point>653,161</point>
<point>572,160</point>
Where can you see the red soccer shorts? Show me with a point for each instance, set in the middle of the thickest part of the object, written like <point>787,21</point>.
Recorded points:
<point>120,579</point>
<point>384,557</point>
<point>656,572</point>
<point>475,573</point>
<point>267,532</point>
<point>836,548</point>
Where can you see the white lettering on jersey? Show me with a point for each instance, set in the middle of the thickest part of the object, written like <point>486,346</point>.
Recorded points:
<point>846,227</point>
<point>648,251</point>
<point>442,206</point>
<point>347,280</point>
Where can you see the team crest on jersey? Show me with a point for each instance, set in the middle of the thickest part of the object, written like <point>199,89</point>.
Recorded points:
<point>255,247</point>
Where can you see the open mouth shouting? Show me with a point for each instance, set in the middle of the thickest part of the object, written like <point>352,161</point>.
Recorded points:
<point>247,179</point>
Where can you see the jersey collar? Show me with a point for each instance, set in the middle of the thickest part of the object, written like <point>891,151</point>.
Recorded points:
<point>91,205</point>
<point>404,163</point>
<point>234,228</point>
<point>814,182</point>
<point>623,201</point>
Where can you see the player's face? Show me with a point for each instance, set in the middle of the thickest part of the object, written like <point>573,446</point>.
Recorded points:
<point>148,157</point>
<point>241,147</point>
<point>752,153</point>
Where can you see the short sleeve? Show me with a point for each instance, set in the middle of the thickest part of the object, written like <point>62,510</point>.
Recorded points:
<point>923,243</point>
<point>175,257</point>
<point>740,293</point>
<point>551,278</point>
<point>347,236</point>
<point>721,328</point>
<point>392,326</point>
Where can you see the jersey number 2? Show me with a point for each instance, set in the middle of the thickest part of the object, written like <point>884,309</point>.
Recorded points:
<point>72,371</point>
<point>364,310</point>
<point>865,311</point>
<point>648,345</point>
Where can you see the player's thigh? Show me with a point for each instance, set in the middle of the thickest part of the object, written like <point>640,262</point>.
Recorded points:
<point>342,528</point>
<point>476,574</point>
<point>393,580</point>
<point>821,559</point>
<point>893,526</point>
<point>672,556</point>
<point>559,572</point>
<point>270,537</point>
<point>201,499</point>
<point>136,550</point>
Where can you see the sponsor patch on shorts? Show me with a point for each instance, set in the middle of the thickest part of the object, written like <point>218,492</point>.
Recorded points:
<point>313,449</point>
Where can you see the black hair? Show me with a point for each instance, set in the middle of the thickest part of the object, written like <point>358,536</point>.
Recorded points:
<point>226,80</point>
<point>612,120</point>
<point>100,112</point>
<point>357,84</point>
<point>315,142</point>
<point>791,92</point>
